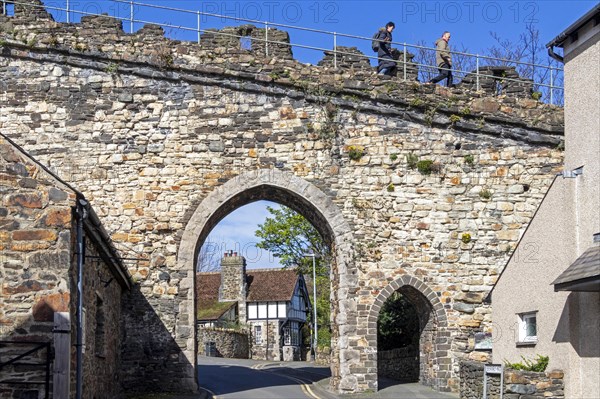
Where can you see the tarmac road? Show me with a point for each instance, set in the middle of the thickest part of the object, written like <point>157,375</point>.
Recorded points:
<point>252,379</point>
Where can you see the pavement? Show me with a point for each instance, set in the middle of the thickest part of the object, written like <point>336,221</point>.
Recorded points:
<point>388,390</point>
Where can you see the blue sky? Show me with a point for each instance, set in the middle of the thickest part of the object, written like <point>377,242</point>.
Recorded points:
<point>469,21</point>
<point>236,233</point>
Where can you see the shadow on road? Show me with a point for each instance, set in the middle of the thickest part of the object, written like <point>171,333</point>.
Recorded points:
<point>241,378</point>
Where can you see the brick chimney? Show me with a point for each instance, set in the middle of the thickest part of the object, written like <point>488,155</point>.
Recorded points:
<point>233,282</point>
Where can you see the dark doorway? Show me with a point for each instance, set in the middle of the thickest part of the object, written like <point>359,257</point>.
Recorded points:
<point>398,331</point>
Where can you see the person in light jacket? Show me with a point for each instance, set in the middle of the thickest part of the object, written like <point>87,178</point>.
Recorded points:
<point>443,59</point>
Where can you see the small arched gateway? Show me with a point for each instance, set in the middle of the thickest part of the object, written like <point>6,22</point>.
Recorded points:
<point>295,193</point>
<point>434,341</point>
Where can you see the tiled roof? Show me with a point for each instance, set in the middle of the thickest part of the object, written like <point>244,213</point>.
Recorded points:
<point>207,285</point>
<point>263,285</point>
<point>586,267</point>
<point>271,285</point>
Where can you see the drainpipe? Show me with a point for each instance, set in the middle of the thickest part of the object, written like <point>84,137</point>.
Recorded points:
<point>552,54</point>
<point>81,213</point>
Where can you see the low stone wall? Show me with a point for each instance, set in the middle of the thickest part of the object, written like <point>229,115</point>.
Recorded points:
<point>228,343</point>
<point>399,364</point>
<point>323,356</point>
<point>517,384</point>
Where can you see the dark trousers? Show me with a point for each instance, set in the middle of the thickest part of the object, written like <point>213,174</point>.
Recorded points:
<point>445,73</point>
<point>387,66</point>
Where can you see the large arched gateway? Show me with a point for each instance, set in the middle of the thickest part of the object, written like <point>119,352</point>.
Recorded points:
<point>291,191</point>
<point>411,184</point>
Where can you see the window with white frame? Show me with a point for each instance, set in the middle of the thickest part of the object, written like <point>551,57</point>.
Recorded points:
<point>287,336</point>
<point>528,327</point>
<point>282,309</point>
<point>272,312</point>
<point>253,311</point>
<point>258,335</point>
<point>262,310</point>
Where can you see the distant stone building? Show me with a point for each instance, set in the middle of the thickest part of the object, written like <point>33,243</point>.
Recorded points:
<point>547,300</point>
<point>273,303</point>
<point>42,255</point>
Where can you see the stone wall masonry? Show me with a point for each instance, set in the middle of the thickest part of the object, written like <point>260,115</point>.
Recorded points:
<point>323,356</point>
<point>37,266</point>
<point>233,281</point>
<point>151,129</point>
<point>269,348</point>
<point>35,256</point>
<point>229,343</point>
<point>518,384</point>
<point>399,364</point>
<point>103,339</point>
<point>103,39</point>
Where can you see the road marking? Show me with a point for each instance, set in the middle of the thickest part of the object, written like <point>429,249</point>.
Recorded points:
<point>303,386</point>
<point>210,392</point>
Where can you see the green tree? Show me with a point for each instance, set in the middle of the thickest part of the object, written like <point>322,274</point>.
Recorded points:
<point>289,236</point>
<point>398,323</point>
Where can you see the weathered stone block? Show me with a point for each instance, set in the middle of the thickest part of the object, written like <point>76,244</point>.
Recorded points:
<point>25,200</point>
<point>45,307</point>
<point>34,235</point>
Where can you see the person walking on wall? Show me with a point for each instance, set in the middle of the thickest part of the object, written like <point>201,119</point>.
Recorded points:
<point>384,53</point>
<point>443,59</point>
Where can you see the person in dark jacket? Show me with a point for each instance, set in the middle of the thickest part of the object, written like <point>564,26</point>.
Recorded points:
<point>443,59</point>
<point>386,60</point>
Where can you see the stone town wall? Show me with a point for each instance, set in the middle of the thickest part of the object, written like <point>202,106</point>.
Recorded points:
<point>399,364</point>
<point>35,256</point>
<point>228,343</point>
<point>436,183</point>
<point>517,384</point>
<point>38,273</point>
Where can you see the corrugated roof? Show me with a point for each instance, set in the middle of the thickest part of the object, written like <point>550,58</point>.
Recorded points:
<point>585,268</point>
<point>271,285</point>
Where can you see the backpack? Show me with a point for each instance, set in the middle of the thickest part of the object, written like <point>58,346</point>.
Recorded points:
<point>375,41</point>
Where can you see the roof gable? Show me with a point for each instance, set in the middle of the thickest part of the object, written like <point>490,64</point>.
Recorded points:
<point>270,285</point>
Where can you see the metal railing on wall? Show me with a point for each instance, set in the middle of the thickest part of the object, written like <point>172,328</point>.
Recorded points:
<point>548,87</point>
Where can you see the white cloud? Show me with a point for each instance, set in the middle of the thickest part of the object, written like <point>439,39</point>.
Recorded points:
<point>236,233</point>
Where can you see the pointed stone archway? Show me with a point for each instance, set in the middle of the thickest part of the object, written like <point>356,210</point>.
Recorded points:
<point>434,343</point>
<point>287,189</point>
